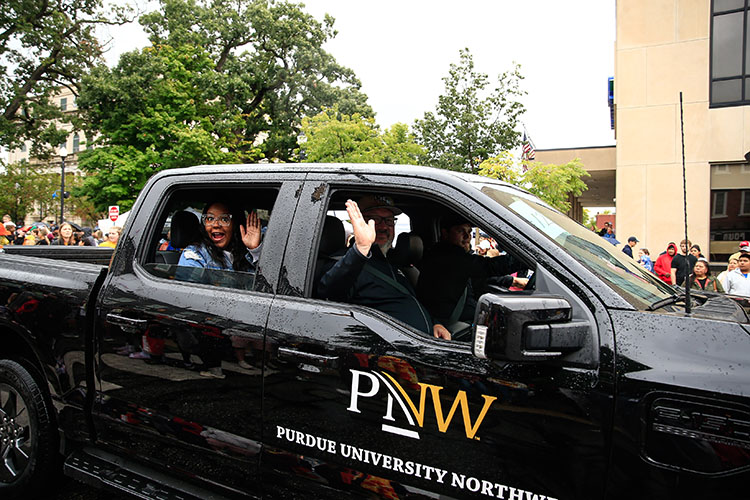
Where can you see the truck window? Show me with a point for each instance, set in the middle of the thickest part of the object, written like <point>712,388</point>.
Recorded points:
<point>429,263</point>
<point>638,286</point>
<point>212,238</point>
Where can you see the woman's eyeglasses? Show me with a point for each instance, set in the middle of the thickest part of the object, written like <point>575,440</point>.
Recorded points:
<point>223,220</point>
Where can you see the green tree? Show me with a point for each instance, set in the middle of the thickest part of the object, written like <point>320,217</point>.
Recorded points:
<point>401,146</point>
<point>269,65</point>
<point>339,138</point>
<point>22,185</point>
<point>44,46</point>
<point>502,167</point>
<point>470,123</point>
<point>556,183</point>
<point>553,184</point>
<point>156,110</point>
<point>588,220</point>
<point>222,82</point>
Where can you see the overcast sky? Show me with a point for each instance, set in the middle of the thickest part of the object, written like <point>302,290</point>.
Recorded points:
<point>401,50</point>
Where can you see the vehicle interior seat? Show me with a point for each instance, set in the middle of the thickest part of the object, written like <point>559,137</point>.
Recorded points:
<point>332,245</point>
<point>185,230</point>
<point>407,254</point>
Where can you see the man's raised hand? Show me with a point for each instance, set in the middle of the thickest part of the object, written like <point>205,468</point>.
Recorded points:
<point>364,232</point>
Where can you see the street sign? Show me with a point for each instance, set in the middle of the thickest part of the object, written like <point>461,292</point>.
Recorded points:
<point>114,213</point>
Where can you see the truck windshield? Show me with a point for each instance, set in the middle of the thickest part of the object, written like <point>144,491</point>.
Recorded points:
<point>625,275</point>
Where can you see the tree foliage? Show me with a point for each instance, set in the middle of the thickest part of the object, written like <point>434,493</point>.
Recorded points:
<point>35,188</point>
<point>45,46</point>
<point>553,184</point>
<point>269,65</point>
<point>471,123</point>
<point>24,186</point>
<point>339,138</point>
<point>502,167</point>
<point>222,82</point>
<point>155,111</point>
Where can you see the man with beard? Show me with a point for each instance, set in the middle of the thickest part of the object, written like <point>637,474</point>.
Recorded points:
<point>364,276</point>
<point>451,274</point>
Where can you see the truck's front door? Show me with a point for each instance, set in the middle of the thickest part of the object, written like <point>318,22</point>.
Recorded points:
<point>180,349</point>
<point>357,402</point>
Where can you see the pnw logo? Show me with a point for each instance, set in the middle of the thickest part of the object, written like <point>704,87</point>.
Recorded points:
<point>415,416</point>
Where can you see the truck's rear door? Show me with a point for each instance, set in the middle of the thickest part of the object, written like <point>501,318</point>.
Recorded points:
<point>180,350</point>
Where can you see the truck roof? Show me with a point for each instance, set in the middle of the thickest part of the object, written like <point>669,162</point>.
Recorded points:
<point>344,168</point>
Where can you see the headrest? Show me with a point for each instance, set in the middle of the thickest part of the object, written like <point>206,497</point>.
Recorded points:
<point>333,237</point>
<point>185,229</point>
<point>408,250</point>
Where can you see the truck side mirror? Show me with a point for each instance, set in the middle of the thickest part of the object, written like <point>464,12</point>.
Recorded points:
<point>526,328</point>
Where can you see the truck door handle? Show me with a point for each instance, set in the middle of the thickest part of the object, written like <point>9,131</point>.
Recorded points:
<point>318,359</point>
<point>118,320</point>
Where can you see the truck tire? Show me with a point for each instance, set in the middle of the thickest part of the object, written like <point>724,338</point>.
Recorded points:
<point>27,444</point>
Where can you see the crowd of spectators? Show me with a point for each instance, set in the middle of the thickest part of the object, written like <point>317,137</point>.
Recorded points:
<point>65,234</point>
<point>676,264</point>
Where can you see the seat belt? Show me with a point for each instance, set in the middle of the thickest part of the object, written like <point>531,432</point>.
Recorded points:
<point>388,279</point>
<point>459,307</point>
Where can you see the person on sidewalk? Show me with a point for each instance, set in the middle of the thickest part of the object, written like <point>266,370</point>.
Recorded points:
<point>627,249</point>
<point>738,282</point>
<point>644,259</point>
<point>610,235</point>
<point>722,277</point>
<point>744,248</point>
<point>663,264</point>
<point>702,279</point>
<point>682,263</point>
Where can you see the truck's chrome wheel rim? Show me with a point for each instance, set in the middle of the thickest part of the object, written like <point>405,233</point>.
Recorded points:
<point>15,434</point>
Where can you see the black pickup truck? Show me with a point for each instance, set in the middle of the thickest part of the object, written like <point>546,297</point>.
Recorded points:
<point>595,381</point>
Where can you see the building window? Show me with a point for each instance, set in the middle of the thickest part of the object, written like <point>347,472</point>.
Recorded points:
<point>64,104</point>
<point>730,53</point>
<point>719,205</point>
<point>720,169</point>
<point>745,203</point>
<point>76,143</point>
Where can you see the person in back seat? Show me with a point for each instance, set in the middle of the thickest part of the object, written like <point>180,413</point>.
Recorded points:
<point>225,243</point>
<point>364,276</point>
<point>448,267</point>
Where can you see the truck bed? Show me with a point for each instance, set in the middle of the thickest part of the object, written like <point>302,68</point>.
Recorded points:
<point>90,255</point>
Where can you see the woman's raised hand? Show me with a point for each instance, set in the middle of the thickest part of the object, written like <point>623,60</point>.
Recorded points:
<point>251,232</point>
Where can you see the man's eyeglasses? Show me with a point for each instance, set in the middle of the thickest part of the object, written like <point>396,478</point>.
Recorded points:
<point>223,220</point>
<point>388,221</point>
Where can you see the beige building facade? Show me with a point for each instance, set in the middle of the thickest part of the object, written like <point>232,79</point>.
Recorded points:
<point>699,48</point>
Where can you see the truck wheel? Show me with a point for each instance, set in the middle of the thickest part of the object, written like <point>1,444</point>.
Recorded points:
<point>26,436</point>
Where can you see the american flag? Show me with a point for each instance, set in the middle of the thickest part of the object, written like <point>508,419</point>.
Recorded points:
<point>528,149</point>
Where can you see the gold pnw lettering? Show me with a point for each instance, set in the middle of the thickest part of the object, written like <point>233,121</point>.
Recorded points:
<point>444,422</point>
<point>419,415</point>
